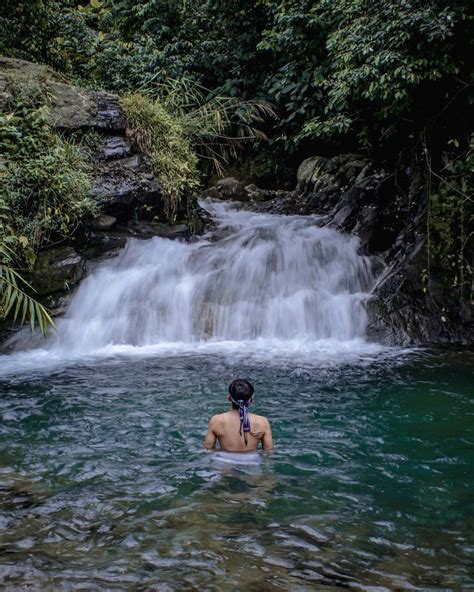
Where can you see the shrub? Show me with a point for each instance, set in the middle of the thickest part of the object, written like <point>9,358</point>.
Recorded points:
<point>180,123</point>
<point>45,178</point>
<point>46,193</point>
<point>160,135</point>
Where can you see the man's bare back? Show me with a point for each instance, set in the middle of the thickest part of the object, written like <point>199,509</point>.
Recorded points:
<point>238,430</point>
<point>225,429</point>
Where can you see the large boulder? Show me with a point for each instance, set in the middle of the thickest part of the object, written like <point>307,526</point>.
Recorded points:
<point>74,108</point>
<point>57,270</point>
<point>71,107</point>
<point>232,189</point>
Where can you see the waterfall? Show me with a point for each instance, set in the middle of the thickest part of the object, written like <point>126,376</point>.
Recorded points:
<point>255,276</point>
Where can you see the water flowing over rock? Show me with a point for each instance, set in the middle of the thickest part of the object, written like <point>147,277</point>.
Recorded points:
<point>260,276</point>
<point>386,210</point>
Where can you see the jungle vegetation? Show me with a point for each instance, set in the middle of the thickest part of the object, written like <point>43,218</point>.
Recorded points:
<point>389,78</point>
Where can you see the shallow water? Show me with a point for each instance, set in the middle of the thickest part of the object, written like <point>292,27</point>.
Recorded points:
<point>105,485</point>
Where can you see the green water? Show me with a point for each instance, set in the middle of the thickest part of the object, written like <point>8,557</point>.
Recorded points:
<point>104,485</point>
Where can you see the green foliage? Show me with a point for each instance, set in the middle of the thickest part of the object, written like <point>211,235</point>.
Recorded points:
<point>334,68</point>
<point>124,45</point>
<point>451,219</point>
<point>15,301</point>
<point>360,67</point>
<point>54,32</point>
<point>150,41</point>
<point>45,182</point>
<point>160,134</point>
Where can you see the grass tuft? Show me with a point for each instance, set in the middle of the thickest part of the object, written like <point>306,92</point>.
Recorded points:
<point>159,134</point>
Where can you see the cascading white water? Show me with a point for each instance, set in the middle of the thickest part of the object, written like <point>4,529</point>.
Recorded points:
<point>257,276</point>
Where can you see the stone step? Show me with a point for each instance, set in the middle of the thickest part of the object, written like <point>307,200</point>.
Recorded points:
<point>116,147</point>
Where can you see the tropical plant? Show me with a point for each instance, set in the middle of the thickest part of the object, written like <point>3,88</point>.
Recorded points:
<point>45,181</point>
<point>217,126</point>
<point>15,300</point>
<point>178,123</point>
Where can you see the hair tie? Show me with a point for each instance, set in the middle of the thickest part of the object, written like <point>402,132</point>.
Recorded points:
<point>244,418</point>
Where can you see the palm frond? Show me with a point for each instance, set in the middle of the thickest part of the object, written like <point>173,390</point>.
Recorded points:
<point>15,302</point>
<point>216,125</point>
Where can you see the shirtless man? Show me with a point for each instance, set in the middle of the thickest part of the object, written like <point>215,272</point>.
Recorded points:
<point>238,430</point>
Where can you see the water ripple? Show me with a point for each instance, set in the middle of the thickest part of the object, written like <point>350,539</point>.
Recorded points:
<point>104,484</point>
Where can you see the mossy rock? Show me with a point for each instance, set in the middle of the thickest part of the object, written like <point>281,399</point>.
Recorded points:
<point>339,171</point>
<point>57,270</point>
<point>70,107</point>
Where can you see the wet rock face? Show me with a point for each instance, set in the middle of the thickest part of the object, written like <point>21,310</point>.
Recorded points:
<point>345,189</point>
<point>116,147</point>
<point>123,184</point>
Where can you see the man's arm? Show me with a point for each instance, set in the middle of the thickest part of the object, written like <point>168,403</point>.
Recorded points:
<point>267,440</point>
<point>211,436</point>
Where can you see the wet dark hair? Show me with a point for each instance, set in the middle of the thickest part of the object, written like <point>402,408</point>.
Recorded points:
<point>240,390</point>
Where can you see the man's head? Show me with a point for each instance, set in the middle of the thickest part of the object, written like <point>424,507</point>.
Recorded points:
<point>240,390</point>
